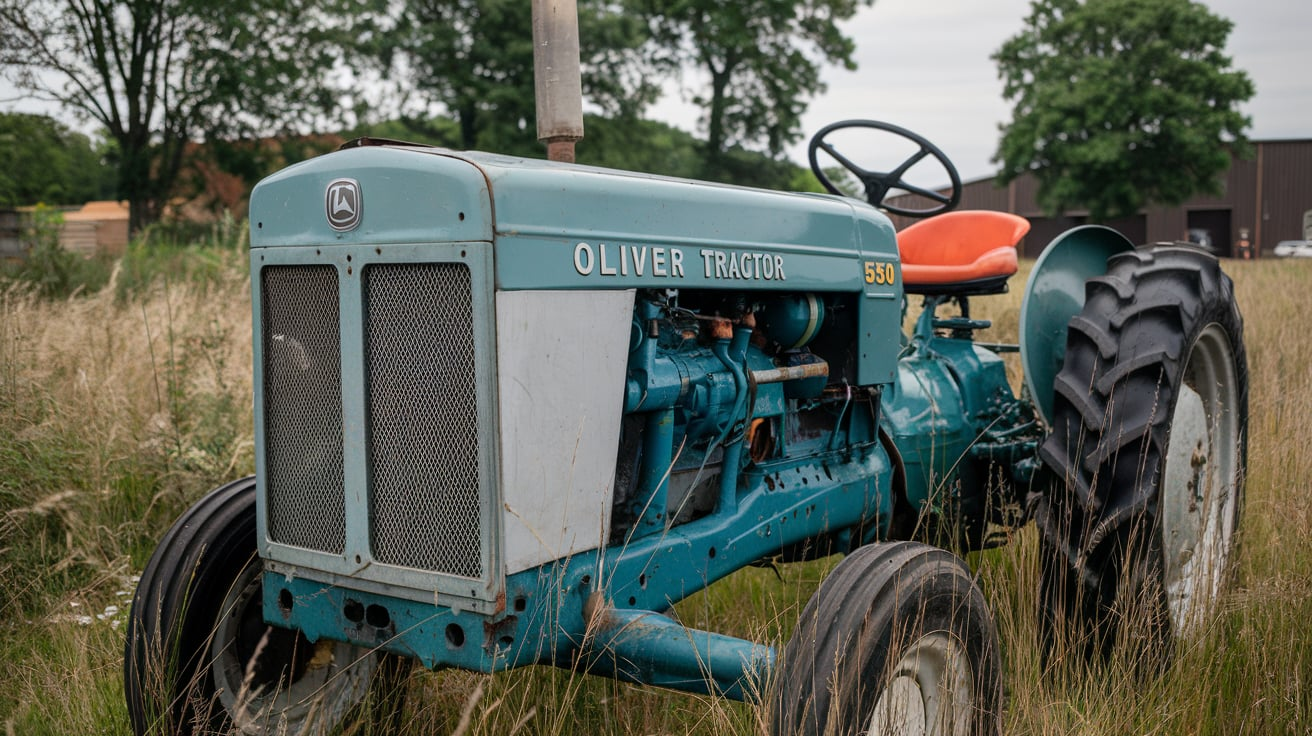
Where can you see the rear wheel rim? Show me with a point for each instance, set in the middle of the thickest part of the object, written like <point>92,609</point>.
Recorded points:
<point>1200,482</point>
<point>929,692</point>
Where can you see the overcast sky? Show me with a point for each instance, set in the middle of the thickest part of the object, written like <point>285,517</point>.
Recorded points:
<point>924,65</point>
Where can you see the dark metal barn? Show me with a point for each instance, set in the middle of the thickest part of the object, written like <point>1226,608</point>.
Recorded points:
<point>1266,196</point>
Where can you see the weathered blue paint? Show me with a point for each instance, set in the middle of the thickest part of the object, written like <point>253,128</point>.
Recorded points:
<point>648,648</point>
<point>544,226</point>
<point>1054,294</point>
<point>543,619</point>
<point>351,263</point>
<point>539,212</point>
<point>651,502</point>
<point>950,393</point>
<point>408,195</point>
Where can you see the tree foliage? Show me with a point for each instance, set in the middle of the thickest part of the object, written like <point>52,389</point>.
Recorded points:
<point>41,160</point>
<point>163,77</point>
<point>763,59</point>
<point>1120,103</point>
<point>656,148</point>
<point>474,59</point>
<point>628,143</point>
<point>156,74</point>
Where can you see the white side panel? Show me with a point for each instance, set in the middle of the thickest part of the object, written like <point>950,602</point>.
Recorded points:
<point>561,358</point>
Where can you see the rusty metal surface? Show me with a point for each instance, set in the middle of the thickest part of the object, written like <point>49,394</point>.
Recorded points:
<point>561,150</point>
<point>791,372</point>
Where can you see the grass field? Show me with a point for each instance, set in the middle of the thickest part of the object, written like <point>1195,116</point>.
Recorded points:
<point>123,403</point>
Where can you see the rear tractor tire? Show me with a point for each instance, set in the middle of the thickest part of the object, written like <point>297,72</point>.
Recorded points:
<point>199,658</point>
<point>1148,453</point>
<point>897,640</point>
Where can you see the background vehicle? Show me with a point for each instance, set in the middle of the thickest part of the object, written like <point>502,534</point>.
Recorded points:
<point>509,411</point>
<point>1203,239</point>
<point>1294,249</point>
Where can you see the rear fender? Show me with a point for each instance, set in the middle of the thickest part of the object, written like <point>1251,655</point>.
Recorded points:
<point>1054,294</point>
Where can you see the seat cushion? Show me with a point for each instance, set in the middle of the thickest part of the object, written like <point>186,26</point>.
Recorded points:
<point>967,246</point>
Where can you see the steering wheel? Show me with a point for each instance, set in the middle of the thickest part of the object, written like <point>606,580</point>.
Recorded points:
<point>879,183</point>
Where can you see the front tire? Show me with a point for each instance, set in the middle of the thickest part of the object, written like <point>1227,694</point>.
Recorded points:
<point>897,640</point>
<point>199,657</point>
<point>1148,453</point>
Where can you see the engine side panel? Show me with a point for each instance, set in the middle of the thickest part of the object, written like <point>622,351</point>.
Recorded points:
<point>561,357</point>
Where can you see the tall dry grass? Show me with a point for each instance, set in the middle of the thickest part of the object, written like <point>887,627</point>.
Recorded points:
<point>118,411</point>
<point>1248,672</point>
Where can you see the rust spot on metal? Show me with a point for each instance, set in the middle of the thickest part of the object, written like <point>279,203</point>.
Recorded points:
<point>596,612</point>
<point>322,657</point>
<point>500,605</point>
<point>495,630</point>
<point>791,372</point>
<point>721,329</point>
<point>561,150</point>
<point>760,440</point>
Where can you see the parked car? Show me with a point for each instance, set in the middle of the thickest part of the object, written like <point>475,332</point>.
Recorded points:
<point>1294,249</point>
<point>1203,239</point>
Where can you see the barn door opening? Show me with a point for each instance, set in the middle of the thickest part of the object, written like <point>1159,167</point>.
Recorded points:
<point>1211,230</point>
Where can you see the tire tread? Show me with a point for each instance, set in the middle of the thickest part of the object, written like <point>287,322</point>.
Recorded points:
<point>1113,404</point>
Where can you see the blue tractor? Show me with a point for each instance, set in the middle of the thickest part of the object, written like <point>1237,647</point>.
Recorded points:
<point>508,412</point>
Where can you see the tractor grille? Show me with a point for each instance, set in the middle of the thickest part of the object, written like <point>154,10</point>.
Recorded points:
<point>303,407</point>
<point>423,418</point>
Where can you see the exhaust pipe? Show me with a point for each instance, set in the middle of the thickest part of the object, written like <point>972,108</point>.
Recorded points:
<point>558,85</point>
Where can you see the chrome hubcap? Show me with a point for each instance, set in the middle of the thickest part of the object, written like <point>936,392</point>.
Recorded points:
<point>930,692</point>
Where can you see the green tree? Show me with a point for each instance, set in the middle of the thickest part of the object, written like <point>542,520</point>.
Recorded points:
<point>624,142</point>
<point>158,74</point>
<point>763,59</point>
<point>41,160</point>
<point>1120,103</point>
<point>474,59</point>
<point>647,146</point>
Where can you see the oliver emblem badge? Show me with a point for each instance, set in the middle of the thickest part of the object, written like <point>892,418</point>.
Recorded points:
<point>344,204</point>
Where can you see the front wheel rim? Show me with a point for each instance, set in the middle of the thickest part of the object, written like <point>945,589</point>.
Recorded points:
<point>930,691</point>
<point>1200,487</point>
<point>332,677</point>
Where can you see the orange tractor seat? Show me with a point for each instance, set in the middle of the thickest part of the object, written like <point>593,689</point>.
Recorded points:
<point>968,252</point>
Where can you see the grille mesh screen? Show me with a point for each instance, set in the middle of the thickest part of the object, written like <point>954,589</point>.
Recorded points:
<point>423,418</point>
<point>303,407</point>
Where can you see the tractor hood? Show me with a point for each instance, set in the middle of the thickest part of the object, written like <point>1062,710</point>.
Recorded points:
<point>563,226</point>
<point>443,343</point>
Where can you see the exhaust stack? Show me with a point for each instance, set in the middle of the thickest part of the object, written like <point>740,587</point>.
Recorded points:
<point>558,85</point>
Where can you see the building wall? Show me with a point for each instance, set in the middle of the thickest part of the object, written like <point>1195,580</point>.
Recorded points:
<point>94,228</point>
<point>1286,190</point>
<point>1267,195</point>
<point>11,230</point>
